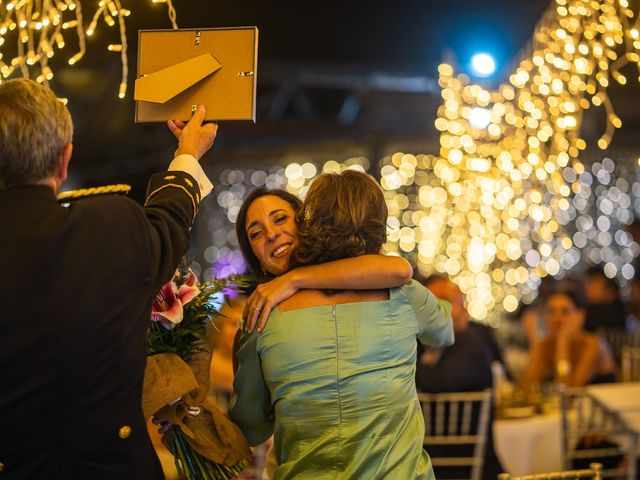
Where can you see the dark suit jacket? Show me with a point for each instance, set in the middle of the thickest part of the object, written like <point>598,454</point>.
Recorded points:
<point>464,366</point>
<point>76,286</point>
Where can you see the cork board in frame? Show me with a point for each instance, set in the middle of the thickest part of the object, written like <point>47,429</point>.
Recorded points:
<point>228,92</point>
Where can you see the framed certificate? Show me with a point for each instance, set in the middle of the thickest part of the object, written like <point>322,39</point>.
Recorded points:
<point>179,69</point>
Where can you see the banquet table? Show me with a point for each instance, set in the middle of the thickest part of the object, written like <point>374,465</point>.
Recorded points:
<point>529,445</point>
<point>533,444</point>
<point>622,398</point>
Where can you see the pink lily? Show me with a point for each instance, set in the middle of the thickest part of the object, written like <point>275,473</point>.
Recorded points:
<point>167,308</point>
<point>168,305</point>
<point>188,290</point>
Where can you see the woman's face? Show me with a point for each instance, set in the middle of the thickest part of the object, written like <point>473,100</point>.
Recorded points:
<point>272,232</point>
<point>562,313</point>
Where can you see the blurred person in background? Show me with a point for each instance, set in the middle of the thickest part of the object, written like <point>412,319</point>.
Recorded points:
<point>604,305</point>
<point>633,304</point>
<point>465,366</point>
<point>561,350</point>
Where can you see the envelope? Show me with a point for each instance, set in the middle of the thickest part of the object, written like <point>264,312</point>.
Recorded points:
<point>179,69</point>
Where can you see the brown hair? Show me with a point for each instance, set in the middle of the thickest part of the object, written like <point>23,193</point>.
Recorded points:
<point>253,264</point>
<point>344,215</point>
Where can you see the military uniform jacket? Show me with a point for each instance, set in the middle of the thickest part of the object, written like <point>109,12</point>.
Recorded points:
<point>76,287</point>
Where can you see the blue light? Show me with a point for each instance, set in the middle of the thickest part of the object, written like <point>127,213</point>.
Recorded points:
<point>483,64</point>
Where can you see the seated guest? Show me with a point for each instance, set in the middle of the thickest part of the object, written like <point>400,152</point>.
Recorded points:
<point>604,306</point>
<point>464,366</point>
<point>562,350</point>
<point>633,304</point>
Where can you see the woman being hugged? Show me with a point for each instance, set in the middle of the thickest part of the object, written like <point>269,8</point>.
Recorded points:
<point>332,375</point>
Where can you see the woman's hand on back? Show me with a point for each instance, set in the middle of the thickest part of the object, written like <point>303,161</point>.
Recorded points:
<point>264,299</point>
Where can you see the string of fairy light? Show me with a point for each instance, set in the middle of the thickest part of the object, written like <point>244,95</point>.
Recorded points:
<point>35,31</point>
<point>492,209</point>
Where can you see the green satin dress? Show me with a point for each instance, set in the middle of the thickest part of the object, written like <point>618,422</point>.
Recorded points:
<point>335,384</point>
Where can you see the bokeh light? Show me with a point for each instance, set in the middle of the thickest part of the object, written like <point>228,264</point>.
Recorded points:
<point>483,64</point>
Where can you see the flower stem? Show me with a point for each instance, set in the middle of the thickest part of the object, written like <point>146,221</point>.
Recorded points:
<point>193,466</point>
<point>187,467</point>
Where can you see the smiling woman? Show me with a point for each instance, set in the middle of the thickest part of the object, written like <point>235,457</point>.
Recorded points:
<point>265,213</point>
<point>272,232</point>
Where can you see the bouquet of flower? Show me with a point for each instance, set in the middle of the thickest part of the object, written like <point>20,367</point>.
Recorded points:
<point>205,443</point>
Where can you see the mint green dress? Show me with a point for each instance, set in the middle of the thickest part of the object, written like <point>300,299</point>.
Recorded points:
<point>335,384</point>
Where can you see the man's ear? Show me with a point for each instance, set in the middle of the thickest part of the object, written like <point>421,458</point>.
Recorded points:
<point>63,164</point>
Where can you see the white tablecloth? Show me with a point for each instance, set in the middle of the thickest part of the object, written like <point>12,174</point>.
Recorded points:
<point>533,445</point>
<point>623,398</point>
<point>529,445</point>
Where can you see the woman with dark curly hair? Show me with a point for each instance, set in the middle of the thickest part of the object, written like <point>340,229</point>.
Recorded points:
<point>332,373</point>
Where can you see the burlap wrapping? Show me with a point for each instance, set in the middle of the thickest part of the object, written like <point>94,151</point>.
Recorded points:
<point>176,391</point>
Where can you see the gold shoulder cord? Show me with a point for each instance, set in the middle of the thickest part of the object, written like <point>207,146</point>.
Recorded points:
<point>65,197</point>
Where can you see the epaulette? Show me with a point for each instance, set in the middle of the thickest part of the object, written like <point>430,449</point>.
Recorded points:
<point>71,195</point>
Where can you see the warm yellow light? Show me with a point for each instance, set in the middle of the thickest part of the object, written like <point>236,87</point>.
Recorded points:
<point>510,303</point>
<point>75,58</point>
<point>603,143</point>
<point>112,9</point>
<point>109,20</point>
<point>35,35</point>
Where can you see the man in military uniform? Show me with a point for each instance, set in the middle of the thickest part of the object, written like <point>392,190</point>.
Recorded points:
<point>76,286</point>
